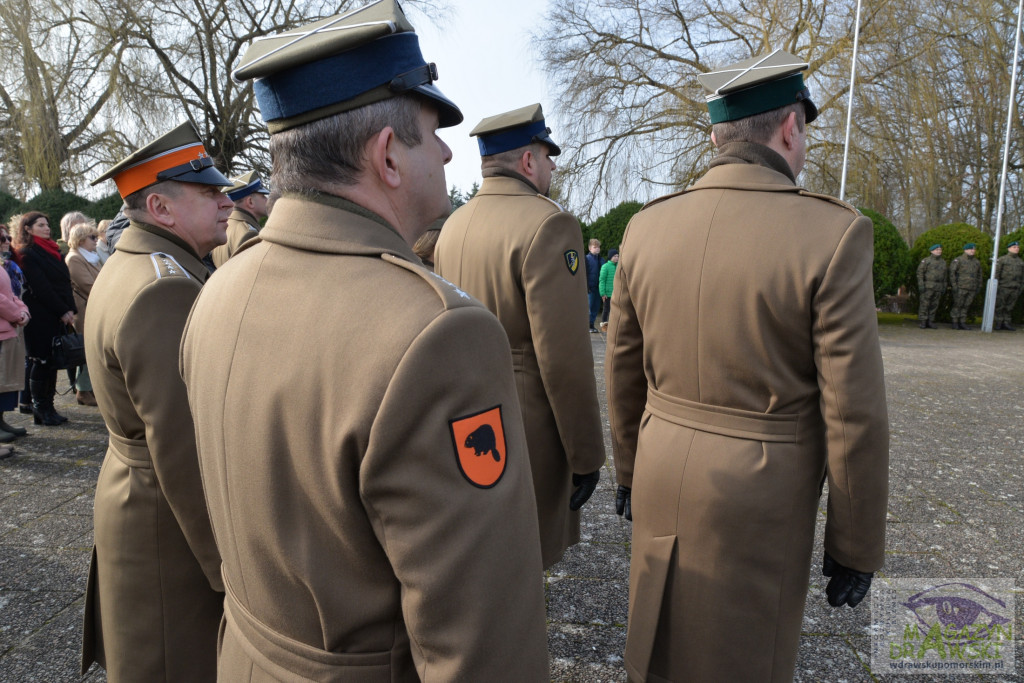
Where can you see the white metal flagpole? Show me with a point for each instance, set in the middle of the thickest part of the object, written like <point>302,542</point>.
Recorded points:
<point>993,285</point>
<point>849,103</point>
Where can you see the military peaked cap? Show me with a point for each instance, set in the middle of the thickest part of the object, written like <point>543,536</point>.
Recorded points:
<point>244,185</point>
<point>178,155</point>
<point>338,64</point>
<point>514,129</point>
<point>757,85</point>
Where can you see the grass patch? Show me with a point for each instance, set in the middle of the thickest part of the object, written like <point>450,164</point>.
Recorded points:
<point>896,318</point>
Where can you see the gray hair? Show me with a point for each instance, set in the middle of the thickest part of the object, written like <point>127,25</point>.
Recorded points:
<point>760,127</point>
<point>71,219</point>
<point>331,151</point>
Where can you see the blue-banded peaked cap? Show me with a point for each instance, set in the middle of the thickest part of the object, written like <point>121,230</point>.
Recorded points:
<point>244,185</point>
<point>757,85</point>
<point>514,129</point>
<point>340,63</point>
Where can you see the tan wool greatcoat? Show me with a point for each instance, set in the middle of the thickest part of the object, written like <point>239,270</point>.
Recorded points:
<point>242,227</point>
<point>331,417</point>
<point>743,362</point>
<point>83,276</point>
<point>155,596</point>
<point>521,255</point>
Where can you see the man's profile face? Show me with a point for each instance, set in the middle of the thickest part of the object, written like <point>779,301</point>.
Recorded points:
<point>545,167</point>
<point>1015,249</point>
<point>969,252</point>
<point>595,249</point>
<point>200,215</point>
<point>425,162</point>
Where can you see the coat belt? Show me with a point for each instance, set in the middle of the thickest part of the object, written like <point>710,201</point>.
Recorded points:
<point>289,660</point>
<point>741,424</point>
<point>132,452</point>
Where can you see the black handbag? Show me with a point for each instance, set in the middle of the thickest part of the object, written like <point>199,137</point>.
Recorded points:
<point>68,350</point>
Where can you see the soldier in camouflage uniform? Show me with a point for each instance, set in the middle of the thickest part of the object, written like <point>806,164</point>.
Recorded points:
<point>965,280</point>
<point>931,283</point>
<point>1010,273</point>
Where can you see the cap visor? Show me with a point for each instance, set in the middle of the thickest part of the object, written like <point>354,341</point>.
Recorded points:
<point>206,176</point>
<point>448,114</point>
<point>553,149</point>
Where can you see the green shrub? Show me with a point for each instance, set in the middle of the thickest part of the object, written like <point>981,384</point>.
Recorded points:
<point>55,203</point>
<point>610,227</point>
<point>892,257</point>
<point>952,237</point>
<point>104,209</point>
<point>8,206</point>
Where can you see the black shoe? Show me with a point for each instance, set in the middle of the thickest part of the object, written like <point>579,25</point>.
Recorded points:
<point>930,326</point>
<point>593,330</point>
<point>965,327</point>
<point>61,418</point>
<point>17,431</point>
<point>1009,327</point>
<point>923,325</point>
<point>47,418</point>
<point>25,408</point>
<point>955,326</point>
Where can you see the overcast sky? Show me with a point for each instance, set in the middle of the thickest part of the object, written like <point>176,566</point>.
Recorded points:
<point>487,66</point>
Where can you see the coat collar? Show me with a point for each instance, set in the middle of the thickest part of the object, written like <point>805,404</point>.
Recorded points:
<point>320,222</point>
<point>506,185</point>
<point>142,238</point>
<point>748,166</point>
<point>243,215</point>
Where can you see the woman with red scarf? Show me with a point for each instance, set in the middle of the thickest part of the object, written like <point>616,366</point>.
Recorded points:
<point>51,302</point>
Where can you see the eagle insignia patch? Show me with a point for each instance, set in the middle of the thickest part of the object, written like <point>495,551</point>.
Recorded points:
<point>572,261</point>
<point>479,442</point>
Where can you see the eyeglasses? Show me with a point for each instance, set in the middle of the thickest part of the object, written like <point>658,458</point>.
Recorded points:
<point>91,237</point>
<point>4,239</point>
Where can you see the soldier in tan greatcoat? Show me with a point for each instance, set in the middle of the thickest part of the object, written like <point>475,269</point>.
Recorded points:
<point>734,385</point>
<point>518,252</point>
<point>378,524</point>
<point>155,595</point>
<point>249,194</point>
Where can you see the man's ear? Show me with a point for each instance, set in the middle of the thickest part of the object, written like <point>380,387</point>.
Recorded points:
<point>528,164</point>
<point>714,141</point>
<point>160,211</point>
<point>789,130</point>
<point>383,157</point>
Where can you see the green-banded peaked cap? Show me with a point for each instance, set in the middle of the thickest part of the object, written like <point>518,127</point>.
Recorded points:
<point>757,85</point>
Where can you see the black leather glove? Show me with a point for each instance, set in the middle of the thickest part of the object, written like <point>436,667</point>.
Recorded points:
<point>624,502</point>
<point>847,586</point>
<point>585,485</point>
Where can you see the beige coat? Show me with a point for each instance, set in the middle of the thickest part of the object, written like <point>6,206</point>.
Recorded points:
<point>155,597</point>
<point>331,416</point>
<point>83,276</point>
<point>743,360</point>
<point>522,256</point>
<point>242,227</point>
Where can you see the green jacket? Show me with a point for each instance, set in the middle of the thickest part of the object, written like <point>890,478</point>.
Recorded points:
<point>931,274</point>
<point>965,273</point>
<point>604,285</point>
<point>1010,270</point>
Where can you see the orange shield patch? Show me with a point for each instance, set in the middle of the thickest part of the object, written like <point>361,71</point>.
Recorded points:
<point>479,441</point>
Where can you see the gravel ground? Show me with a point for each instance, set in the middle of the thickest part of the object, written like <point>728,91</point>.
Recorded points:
<point>956,510</point>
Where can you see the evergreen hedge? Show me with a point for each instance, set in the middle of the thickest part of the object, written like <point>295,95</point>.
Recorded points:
<point>610,227</point>
<point>892,263</point>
